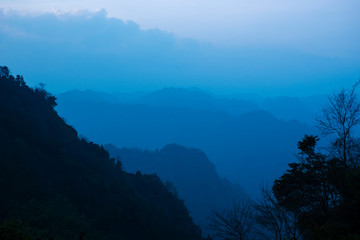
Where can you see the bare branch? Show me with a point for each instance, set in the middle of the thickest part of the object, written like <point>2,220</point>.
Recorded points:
<point>276,223</point>
<point>339,118</point>
<point>235,223</point>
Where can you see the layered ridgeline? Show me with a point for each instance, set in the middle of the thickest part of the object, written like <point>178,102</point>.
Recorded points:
<point>230,132</point>
<point>54,185</point>
<point>189,170</point>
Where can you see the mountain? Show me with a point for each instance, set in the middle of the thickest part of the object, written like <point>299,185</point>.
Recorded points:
<point>195,99</point>
<point>305,109</point>
<point>302,109</point>
<point>247,148</point>
<point>54,185</point>
<point>190,171</point>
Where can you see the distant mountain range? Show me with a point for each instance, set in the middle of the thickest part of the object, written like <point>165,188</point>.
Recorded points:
<point>248,145</point>
<point>304,109</point>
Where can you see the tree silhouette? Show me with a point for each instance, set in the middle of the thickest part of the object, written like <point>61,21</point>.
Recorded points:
<point>54,185</point>
<point>339,118</point>
<point>323,189</point>
<point>4,71</point>
<point>235,223</point>
<point>274,221</point>
<point>308,189</point>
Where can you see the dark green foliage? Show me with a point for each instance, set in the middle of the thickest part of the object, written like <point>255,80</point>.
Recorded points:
<point>13,230</point>
<point>54,185</point>
<point>323,192</point>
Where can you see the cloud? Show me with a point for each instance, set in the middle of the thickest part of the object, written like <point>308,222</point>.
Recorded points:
<point>323,27</point>
<point>87,49</point>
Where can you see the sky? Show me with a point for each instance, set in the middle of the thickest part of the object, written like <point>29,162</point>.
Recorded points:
<point>327,27</point>
<point>242,48</point>
<point>277,46</point>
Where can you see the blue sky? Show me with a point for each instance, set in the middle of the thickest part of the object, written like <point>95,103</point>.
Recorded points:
<point>264,46</point>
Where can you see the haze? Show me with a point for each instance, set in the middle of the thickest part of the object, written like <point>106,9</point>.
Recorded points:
<point>324,27</point>
<point>131,119</point>
<point>247,49</point>
<point>266,48</point>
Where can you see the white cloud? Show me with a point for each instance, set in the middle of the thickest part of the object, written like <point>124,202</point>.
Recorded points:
<point>324,27</point>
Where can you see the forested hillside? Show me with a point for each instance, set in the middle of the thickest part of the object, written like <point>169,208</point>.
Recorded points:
<point>54,185</point>
<point>191,173</point>
<point>231,142</point>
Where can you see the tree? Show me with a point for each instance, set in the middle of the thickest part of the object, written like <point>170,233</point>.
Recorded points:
<point>273,220</point>
<point>235,223</point>
<point>4,71</point>
<point>309,189</point>
<point>323,190</point>
<point>339,118</point>
<point>263,219</point>
<point>45,95</point>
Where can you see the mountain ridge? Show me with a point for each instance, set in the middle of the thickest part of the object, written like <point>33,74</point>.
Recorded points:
<point>193,175</point>
<point>55,185</point>
<point>231,142</point>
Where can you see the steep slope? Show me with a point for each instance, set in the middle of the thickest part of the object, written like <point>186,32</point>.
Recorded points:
<point>231,142</point>
<point>190,171</point>
<point>54,185</point>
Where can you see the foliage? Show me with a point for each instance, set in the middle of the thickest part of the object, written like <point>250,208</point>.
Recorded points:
<point>318,198</point>
<point>13,230</point>
<point>308,189</point>
<point>323,190</point>
<point>54,185</point>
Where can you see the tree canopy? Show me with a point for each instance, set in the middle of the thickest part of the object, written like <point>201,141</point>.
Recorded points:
<point>55,185</point>
<point>318,197</point>
<point>323,189</point>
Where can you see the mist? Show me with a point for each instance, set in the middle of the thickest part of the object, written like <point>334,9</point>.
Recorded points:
<point>88,50</point>
<point>179,120</point>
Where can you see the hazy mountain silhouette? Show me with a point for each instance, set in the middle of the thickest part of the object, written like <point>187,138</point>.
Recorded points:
<point>304,109</point>
<point>192,174</point>
<point>195,99</point>
<point>54,185</point>
<point>231,142</point>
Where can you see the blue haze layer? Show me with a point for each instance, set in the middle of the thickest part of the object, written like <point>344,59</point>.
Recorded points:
<point>87,50</point>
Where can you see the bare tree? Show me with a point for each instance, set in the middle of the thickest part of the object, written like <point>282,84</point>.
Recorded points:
<point>235,223</point>
<point>339,118</point>
<point>274,221</point>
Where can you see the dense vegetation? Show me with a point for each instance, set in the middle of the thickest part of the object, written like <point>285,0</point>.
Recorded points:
<point>318,198</point>
<point>323,193</point>
<point>54,185</point>
<point>323,189</point>
<point>190,171</point>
